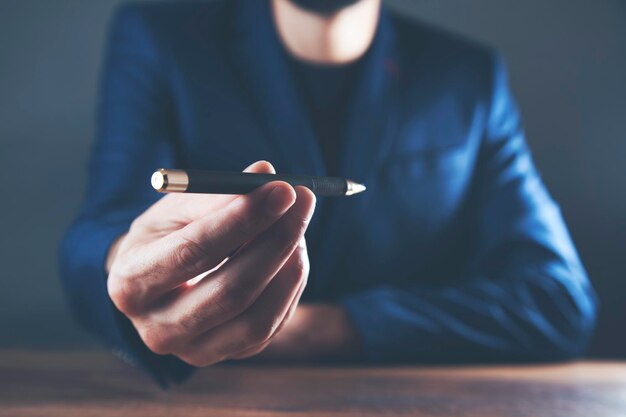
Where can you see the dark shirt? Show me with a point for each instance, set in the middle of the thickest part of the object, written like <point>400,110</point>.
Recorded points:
<point>326,93</point>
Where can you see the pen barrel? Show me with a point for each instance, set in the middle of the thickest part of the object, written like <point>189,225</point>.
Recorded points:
<point>243,183</point>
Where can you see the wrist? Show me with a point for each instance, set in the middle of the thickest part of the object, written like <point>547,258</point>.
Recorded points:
<point>335,332</point>
<point>316,332</point>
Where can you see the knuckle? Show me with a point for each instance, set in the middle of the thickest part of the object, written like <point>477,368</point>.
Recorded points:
<point>285,241</point>
<point>300,221</point>
<point>198,359</point>
<point>301,266</point>
<point>192,321</point>
<point>156,339</point>
<point>192,360</point>
<point>198,363</point>
<point>290,242</point>
<point>301,279</point>
<point>129,294</point>
<point>121,269</point>
<point>230,301</point>
<point>121,292</point>
<point>188,253</point>
<point>137,224</point>
<point>291,236</point>
<point>261,329</point>
<point>253,351</point>
<point>117,291</point>
<point>258,349</point>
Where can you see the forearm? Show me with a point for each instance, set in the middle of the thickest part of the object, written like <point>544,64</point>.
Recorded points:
<point>519,318</point>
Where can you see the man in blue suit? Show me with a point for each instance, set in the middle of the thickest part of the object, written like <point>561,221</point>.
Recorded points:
<point>456,251</point>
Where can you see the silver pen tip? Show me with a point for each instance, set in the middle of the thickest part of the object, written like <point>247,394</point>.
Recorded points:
<point>354,188</point>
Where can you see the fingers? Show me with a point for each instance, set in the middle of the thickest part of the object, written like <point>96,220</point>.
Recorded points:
<point>261,167</point>
<point>255,350</point>
<point>288,316</point>
<point>292,307</point>
<point>250,332</point>
<point>164,264</point>
<point>189,207</point>
<point>248,353</point>
<point>234,287</point>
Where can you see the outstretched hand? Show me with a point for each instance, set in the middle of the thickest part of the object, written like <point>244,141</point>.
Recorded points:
<point>250,253</point>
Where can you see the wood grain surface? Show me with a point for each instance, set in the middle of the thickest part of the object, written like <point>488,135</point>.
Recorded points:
<point>85,384</point>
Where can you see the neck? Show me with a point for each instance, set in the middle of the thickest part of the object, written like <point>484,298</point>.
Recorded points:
<point>336,39</point>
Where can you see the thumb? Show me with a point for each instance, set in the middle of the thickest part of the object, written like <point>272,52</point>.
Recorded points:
<point>189,207</point>
<point>261,167</point>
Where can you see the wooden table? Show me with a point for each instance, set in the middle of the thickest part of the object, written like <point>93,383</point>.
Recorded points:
<point>86,384</point>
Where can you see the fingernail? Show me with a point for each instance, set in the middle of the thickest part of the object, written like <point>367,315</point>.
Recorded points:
<point>279,200</point>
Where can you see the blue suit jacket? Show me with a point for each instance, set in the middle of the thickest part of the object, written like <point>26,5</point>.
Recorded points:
<point>456,251</point>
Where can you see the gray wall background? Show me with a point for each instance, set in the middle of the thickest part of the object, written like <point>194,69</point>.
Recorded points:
<point>567,60</point>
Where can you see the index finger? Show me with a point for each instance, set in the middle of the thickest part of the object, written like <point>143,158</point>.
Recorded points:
<point>201,245</point>
<point>189,207</point>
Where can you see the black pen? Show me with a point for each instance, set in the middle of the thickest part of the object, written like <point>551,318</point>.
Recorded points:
<point>218,182</point>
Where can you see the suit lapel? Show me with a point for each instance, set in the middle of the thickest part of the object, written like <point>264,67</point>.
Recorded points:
<point>372,128</point>
<point>260,63</point>
<point>371,117</point>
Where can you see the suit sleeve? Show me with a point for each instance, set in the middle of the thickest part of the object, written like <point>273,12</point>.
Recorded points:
<point>526,295</point>
<point>134,136</point>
